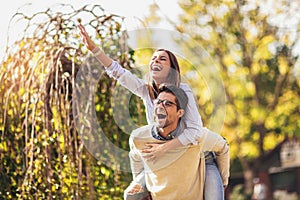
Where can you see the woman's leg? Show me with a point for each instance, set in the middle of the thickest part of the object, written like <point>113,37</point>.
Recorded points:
<point>213,186</point>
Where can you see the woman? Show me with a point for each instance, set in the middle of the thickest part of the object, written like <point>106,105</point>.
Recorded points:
<point>164,68</point>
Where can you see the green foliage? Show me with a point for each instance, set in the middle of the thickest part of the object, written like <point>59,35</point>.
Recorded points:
<point>256,65</point>
<point>257,62</point>
<point>238,193</point>
<point>42,153</point>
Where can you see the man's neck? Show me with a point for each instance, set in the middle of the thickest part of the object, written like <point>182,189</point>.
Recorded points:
<point>164,132</point>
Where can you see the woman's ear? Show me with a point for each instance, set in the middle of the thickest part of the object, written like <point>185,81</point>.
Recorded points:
<point>180,112</point>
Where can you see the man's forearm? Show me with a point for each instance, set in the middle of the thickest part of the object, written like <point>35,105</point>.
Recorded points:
<point>223,161</point>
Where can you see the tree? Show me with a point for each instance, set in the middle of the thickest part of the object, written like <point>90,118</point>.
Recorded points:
<point>42,152</point>
<point>258,62</point>
<point>257,65</point>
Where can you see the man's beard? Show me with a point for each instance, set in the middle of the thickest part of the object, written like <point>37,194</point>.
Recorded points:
<point>160,118</point>
<point>161,123</point>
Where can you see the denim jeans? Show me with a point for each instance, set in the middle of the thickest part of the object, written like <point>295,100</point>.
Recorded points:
<point>213,187</point>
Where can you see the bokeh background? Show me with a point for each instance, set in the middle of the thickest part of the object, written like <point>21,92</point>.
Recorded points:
<point>241,59</point>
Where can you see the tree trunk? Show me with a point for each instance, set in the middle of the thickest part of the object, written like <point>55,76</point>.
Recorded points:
<point>248,175</point>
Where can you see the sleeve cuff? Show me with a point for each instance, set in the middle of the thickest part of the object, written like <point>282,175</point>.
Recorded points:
<point>183,140</point>
<point>115,70</point>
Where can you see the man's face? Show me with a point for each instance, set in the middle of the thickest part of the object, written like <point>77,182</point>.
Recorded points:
<point>165,110</point>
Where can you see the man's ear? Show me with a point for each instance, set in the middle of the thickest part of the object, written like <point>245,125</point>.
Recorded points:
<point>180,112</point>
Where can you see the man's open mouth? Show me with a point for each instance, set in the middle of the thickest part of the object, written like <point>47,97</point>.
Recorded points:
<point>161,116</point>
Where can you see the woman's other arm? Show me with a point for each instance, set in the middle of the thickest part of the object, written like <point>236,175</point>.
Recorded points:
<point>192,119</point>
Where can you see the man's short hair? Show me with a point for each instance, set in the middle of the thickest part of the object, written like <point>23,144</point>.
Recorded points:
<point>181,97</point>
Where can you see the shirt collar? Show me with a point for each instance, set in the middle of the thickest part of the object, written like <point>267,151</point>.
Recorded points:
<point>170,136</point>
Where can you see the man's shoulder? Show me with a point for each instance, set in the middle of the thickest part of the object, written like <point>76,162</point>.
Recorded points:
<point>142,130</point>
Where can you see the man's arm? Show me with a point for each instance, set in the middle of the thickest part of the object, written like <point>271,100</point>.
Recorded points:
<point>221,150</point>
<point>136,163</point>
<point>137,188</point>
<point>216,143</point>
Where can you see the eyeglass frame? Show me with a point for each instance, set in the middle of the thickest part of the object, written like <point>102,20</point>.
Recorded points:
<point>165,103</point>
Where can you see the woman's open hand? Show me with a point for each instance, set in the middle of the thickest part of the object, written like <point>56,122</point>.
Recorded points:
<point>154,150</point>
<point>87,41</point>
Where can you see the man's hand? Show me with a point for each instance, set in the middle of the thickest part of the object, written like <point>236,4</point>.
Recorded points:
<point>135,189</point>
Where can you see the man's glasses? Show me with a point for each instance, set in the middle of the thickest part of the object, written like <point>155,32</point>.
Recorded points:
<point>165,102</point>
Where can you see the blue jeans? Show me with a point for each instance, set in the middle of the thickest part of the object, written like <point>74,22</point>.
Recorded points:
<point>213,187</point>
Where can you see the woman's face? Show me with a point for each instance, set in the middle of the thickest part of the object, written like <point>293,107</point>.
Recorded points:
<point>160,66</point>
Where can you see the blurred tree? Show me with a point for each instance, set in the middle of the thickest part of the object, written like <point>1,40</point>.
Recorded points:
<point>255,46</point>
<point>257,60</point>
<point>43,155</point>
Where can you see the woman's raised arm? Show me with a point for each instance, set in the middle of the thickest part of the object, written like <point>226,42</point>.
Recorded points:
<point>91,46</point>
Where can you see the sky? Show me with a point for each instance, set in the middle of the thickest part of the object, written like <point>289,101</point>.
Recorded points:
<point>131,9</point>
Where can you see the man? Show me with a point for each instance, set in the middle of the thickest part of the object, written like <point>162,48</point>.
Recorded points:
<point>179,173</point>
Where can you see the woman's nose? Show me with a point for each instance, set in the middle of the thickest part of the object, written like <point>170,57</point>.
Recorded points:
<point>156,59</point>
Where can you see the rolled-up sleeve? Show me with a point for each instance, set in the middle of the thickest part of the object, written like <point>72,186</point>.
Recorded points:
<point>223,159</point>
<point>136,162</point>
<point>212,141</point>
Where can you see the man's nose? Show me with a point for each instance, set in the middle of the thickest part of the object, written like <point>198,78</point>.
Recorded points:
<point>160,104</point>
<point>159,109</point>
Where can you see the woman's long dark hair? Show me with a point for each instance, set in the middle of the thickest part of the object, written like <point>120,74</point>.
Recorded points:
<point>172,78</point>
